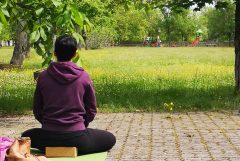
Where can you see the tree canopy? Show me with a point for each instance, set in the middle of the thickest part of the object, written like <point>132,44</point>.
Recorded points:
<point>43,19</point>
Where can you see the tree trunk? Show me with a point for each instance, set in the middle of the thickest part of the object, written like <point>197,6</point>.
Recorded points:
<point>237,46</point>
<point>22,46</point>
<point>229,39</point>
<point>183,44</point>
<point>84,35</point>
<point>168,35</point>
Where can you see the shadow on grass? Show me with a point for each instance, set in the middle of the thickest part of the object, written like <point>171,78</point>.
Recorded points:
<point>16,100</point>
<point>133,97</point>
<point>129,97</point>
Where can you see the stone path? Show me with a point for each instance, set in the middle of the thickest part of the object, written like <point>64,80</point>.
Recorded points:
<point>159,136</point>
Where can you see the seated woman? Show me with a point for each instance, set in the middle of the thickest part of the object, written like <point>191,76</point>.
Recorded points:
<point>65,104</point>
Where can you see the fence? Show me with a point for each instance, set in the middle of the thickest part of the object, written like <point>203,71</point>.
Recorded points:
<point>184,44</point>
<point>7,43</point>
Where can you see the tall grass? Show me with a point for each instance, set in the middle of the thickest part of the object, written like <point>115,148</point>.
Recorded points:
<point>129,79</point>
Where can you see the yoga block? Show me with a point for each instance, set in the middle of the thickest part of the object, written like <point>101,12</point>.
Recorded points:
<point>61,152</point>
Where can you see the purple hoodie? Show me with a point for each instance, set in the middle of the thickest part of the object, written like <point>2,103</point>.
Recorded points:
<point>64,98</point>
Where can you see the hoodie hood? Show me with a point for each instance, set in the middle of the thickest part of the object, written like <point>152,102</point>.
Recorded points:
<point>64,72</point>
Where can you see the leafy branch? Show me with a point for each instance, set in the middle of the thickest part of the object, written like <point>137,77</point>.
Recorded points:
<point>43,20</point>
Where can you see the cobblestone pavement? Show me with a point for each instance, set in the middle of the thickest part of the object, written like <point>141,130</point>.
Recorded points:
<point>159,136</point>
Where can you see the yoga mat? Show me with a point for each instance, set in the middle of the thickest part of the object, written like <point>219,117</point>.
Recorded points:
<point>89,157</point>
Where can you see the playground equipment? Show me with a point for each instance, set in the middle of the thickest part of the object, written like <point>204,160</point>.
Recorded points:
<point>199,33</point>
<point>196,41</point>
<point>151,41</point>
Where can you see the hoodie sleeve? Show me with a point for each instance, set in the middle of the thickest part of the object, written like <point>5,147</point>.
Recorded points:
<point>89,99</point>
<point>38,103</point>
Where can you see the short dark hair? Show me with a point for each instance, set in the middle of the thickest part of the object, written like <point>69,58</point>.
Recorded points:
<point>65,48</point>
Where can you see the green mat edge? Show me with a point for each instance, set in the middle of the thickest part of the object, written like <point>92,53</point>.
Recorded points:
<point>88,157</point>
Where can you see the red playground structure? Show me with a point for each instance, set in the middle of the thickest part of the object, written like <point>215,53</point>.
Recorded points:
<point>198,38</point>
<point>196,41</point>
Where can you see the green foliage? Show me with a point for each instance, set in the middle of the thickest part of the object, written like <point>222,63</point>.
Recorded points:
<point>44,20</point>
<point>94,8</point>
<point>121,25</point>
<point>3,13</point>
<point>197,5</point>
<point>6,33</point>
<point>180,26</point>
<point>221,23</point>
<point>186,25</point>
<point>101,37</point>
<point>133,25</point>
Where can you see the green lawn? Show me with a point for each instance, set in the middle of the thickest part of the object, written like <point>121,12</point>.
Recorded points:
<point>130,79</point>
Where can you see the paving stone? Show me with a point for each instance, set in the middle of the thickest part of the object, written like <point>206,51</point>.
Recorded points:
<point>158,136</point>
